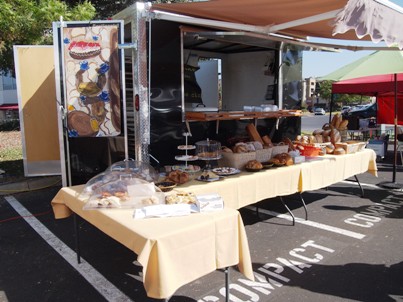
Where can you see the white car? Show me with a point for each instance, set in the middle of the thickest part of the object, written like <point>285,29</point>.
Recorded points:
<point>319,111</point>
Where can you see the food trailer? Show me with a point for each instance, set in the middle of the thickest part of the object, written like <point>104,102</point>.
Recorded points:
<point>163,75</point>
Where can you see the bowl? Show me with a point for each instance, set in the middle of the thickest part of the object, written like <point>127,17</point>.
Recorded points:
<point>166,186</point>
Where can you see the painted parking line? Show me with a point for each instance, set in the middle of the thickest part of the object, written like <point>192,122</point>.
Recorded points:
<point>98,281</point>
<point>310,223</point>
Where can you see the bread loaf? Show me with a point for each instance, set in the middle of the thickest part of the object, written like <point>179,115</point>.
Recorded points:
<point>343,125</point>
<point>253,134</point>
<point>254,164</point>
<point>267,141</point>
<point>240,148</point>
<point>335,136</point>
<point>284,158</point>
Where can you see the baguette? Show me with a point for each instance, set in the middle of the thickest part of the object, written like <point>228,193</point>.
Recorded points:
<point>253,134</point>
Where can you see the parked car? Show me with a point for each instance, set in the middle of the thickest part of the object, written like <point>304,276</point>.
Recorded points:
<point>319,111</point>
<point>365,111</point>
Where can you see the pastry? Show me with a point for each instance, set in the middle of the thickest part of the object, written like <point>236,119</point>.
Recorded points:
<point>285,159</point>
<point>274,161</point>
<point>148,201</point>
<point>180,197</point>
<point>254,164</point>
<point>178,177</point>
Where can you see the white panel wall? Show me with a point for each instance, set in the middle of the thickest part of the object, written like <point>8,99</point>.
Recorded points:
<point>243,79</point>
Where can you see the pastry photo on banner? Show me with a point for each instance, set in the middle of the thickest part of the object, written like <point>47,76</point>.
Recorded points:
<point>92,73</point>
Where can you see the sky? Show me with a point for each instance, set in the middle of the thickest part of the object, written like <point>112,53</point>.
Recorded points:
<point>319,63</point>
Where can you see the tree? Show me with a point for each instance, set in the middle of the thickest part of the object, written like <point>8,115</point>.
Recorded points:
<point>29,22</point>
<point>325,91</point>
<point>107,8</point>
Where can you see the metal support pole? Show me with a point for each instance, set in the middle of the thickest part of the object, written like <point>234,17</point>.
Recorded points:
<point>226,271</point>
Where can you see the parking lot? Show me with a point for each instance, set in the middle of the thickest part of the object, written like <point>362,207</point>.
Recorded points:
<point>349,249</point>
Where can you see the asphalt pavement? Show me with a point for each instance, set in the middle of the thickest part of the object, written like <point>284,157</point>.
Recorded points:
<point>349,249</point>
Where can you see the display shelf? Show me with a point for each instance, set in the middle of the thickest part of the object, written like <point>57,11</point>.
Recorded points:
<point>239,115</point>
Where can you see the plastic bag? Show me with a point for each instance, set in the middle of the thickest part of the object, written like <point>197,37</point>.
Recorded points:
<point>135,169</point>
<point>126,193</point>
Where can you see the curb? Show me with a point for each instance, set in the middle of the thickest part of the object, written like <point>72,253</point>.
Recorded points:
<point>30,184</point>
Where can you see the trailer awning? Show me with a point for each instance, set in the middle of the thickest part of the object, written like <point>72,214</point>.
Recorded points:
<point>376,20</point>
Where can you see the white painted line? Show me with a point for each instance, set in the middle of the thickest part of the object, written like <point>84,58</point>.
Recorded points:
<point>310,223</point>
<point>99,282</point>
<point>364,184</point>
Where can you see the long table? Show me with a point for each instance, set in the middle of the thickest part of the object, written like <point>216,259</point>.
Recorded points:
<point>248,188</point>
<point>167,247</point>
<point>172,251</point>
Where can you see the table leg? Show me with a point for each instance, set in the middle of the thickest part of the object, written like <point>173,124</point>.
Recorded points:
<point>288,209</point>
<point>303,203</point>
<point>226,271</point>
<point>77,235</point>
<point>359,184</point>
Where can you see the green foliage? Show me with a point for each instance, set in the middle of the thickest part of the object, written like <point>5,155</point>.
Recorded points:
<point>29,22</point>
<point>346,99</point>
<point>325,90</point>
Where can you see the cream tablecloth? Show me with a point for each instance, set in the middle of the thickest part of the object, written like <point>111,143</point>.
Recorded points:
<point>173,251</point>
<point>332,169</point>
<point>248,188</point>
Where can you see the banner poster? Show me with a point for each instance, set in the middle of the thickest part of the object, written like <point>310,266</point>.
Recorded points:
<point>92,80</point>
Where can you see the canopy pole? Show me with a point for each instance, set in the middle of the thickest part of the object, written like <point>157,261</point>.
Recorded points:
<point>393,184</point>
<point>395,136</point>
<point>331,107</point>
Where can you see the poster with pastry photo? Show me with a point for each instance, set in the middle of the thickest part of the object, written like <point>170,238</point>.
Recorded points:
<point>92,80</point>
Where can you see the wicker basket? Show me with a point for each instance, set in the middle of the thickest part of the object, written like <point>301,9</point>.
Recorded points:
<point>279,149</point>
<point>264,154</point>
<point>352,146</point>
<point>235,160</point>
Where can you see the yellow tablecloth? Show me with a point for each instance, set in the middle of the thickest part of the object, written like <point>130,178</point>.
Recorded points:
<point>248,188</point>
<point>334,168</point>
<point>173,251</point>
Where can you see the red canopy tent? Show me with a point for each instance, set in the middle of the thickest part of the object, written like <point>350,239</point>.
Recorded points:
<point>388,88</point>
<point>381,86</point>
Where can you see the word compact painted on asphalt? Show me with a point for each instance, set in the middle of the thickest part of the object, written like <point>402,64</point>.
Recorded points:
<point>273,275</point>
